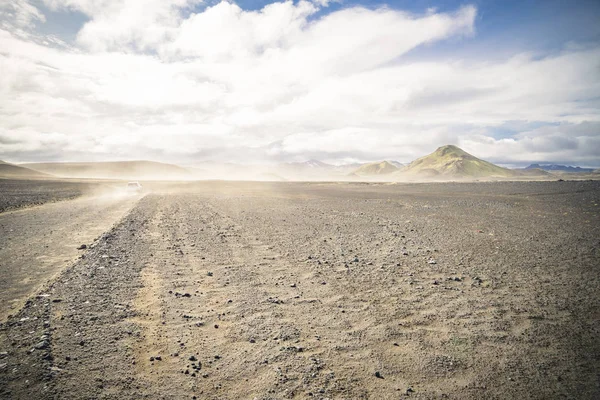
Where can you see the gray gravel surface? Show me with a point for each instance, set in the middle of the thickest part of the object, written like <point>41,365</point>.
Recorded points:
<point>16,194</point>
<point>239,290</point>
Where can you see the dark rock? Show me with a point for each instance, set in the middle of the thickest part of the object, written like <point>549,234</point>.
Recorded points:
<point>378,375</point>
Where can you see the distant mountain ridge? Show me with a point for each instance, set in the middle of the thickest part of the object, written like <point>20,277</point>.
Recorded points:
<point>135,170</point>
<point>8,170</point>
<point>446,162</point>
<point>376,168</point>
<point>558,167</point>
<point>452,162</point>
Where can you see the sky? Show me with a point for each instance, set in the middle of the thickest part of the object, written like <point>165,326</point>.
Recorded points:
<point>253,81</point>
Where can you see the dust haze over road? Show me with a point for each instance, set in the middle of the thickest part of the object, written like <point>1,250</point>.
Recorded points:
<point>227,290</point>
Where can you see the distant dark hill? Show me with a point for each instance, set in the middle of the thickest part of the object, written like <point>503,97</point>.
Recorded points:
<point>376,168</point>
<point>8,170</point>
<point>138,170</point>
<point>452,162</point>
<point>557,167</point>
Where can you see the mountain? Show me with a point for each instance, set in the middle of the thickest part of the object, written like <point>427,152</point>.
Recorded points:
<point>8,170</point>
<point>557,167</point>
<point>137,170</point>
<point>396,164</point>
<point>532,172</point>
<point>452,162</point>
<point>376,168</point>
<point>310,164</point>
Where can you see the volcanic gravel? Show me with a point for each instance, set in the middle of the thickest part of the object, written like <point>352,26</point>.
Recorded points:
<point>347,291</point>
<point>16,194</point>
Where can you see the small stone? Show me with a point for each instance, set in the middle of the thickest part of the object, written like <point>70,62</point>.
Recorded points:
<point>82,247</point>
<point>216,326</point>
<point>193,358</point>
<point>42,345</point>
<point>378,375</point>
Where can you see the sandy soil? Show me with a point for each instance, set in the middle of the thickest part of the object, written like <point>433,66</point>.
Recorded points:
<point>345,291</point>
<point>37,243</point>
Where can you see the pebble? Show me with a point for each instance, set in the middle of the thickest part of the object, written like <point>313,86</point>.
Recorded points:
<point>42,345</point>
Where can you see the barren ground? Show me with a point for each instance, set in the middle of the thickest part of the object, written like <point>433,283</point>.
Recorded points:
<point>345,291</point>
<point>20,193</point>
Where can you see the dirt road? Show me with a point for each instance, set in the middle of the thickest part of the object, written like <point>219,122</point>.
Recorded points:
<point>346,291</point>
<point>37,243</point>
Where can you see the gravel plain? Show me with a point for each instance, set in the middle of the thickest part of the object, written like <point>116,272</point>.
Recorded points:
<point>224,290</point>
<point>20,193</point>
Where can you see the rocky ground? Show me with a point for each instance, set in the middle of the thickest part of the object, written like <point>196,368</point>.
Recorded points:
<point>345,291</point>
<point>19,193</point>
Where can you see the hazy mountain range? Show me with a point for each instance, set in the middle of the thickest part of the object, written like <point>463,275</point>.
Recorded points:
<point>445,163</point>
<point>557,167</point>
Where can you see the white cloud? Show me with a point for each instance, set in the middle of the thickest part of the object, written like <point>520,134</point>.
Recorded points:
<point>117,24</point>
<point>145,78</point>
<point>19,14</point>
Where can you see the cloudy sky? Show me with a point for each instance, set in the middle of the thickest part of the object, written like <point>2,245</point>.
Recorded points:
<point>255,81</point>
